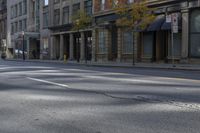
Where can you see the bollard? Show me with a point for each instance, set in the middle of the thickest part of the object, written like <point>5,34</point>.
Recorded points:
<point>65,58</point>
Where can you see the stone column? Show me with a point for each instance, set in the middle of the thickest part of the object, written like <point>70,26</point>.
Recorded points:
<point>107,44</point>
<point>41,48</point>
<point>136,40</point>
<point>119,45</point>
<point>94,45</point>
<point>71,47</point>
<point>52,51</point>
<point>82,46</point>
<point>185,36</point>
<point>27,43</point>
<point>61,47</point>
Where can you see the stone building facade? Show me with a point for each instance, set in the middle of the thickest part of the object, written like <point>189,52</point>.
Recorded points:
<point>3,25</point>
<point>48,31</point>
<point>57,36</point>
<point>23,28</point>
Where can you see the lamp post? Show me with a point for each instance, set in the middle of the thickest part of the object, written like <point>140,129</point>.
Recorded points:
<point>77,43</point>
<point>23,45</point>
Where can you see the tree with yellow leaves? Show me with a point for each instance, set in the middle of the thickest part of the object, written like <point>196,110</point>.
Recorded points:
<point>81,20</point>
<point>135,15</point>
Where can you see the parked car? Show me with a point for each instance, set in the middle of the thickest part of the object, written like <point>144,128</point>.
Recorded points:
<point>3,56</point>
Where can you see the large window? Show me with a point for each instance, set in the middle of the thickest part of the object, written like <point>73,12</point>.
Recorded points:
<point>127,42</point>
<point>45,19</point>
<point>20,25</point>
<point>88,7</point>
<point>76,8</point>
<point>56,17</point>
<point>46,2</point>
<point>101,42</point>
<point>195,33</point>
<point>24,25</point>
<point>66,15</point>
<point>102,4</point>
<point>24,10</point>
<point>148,38</point>
<point>20,8</point>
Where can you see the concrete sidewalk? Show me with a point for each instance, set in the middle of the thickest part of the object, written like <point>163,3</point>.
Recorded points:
<point>192,67</point>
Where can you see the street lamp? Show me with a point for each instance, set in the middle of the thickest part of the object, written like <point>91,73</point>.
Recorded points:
<point>77,43</point>
<point>23,45</point>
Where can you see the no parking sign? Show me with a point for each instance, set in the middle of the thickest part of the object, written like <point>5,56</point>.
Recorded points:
<point>174,22</point>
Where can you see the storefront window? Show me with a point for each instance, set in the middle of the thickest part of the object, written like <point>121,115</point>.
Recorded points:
<point>195,33</point>
<point>128,42</point>
<point>102,42</point>
<point>148,45</point>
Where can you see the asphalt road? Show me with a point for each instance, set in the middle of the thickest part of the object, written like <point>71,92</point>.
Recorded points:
<point>58,98</point>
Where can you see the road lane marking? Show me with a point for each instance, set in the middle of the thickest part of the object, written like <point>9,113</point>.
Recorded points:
<point>48,82</point>
<point>128,80</point>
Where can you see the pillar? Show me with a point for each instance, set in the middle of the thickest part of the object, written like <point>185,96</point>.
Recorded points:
<point>119,45</point>
<point>61,47</point>
<point>135,46</point>
<point>185,36</point>
<point>71,47</point>
<point>27,43</point>
<point>52,51</point>
<point>82,46</point>
<point>108,47</point>
<point>94,45</point>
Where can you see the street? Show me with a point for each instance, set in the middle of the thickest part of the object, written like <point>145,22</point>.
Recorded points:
<point>65,98</point>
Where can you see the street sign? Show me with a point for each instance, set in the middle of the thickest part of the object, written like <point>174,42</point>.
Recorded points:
<point>168,18</point>
<point>174,22</point>
<point>175,19</point>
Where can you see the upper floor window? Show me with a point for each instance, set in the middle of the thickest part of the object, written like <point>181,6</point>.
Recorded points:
<point>66,15</point>
<point>130,1</point>
<point>76,8</point>
<point>56,17</point>
<point>56,1</point>
<point>24,10</point>
<point>88,7</point>
<point>46,2</point>
<point>102,4</point>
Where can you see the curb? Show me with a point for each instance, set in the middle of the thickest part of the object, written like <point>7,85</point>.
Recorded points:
<point>111,66</point>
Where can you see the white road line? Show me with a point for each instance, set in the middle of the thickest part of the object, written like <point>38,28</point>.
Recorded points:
<point>48,82</point>
<point>127,80</point>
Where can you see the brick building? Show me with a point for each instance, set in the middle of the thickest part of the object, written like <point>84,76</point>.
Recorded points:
<point>112,43</point>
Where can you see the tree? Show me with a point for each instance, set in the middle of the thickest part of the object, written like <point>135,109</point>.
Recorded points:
<point>81,21</point>
<point>136,15</point>
<point>133,16</point>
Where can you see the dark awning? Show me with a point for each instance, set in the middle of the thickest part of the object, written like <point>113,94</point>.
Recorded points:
<point>157,24</point>
<point>166,26</point>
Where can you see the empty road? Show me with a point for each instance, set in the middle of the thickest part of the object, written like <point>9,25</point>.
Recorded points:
<point>63,98</point>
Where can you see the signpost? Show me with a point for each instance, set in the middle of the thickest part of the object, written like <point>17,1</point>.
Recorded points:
<point>174,29</point>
